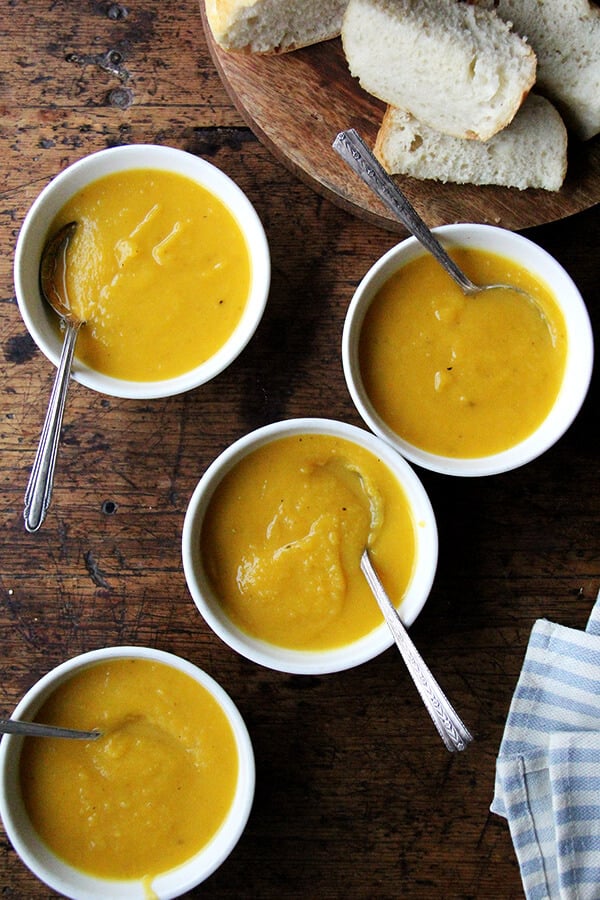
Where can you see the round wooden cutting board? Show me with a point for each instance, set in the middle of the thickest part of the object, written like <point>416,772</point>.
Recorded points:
<point>297,103</point>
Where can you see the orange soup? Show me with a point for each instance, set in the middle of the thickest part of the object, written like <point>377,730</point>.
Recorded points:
<point>284,533</point>
<point>462,376</point>
<point>158,269</point>
<point>149,793</point>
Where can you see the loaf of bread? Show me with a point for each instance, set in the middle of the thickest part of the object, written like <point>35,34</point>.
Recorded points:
<point>531,152</point>
<point>270,26</point>
<point>457,68</point>
<point>565,35</point>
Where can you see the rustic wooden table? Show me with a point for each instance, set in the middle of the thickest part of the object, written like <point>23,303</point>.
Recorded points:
<point>356,795</point>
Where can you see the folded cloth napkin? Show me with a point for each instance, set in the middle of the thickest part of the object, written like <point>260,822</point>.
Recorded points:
<point>548,766</point>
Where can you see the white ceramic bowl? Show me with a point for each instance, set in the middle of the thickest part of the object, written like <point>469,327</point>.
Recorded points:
<point>299,661</point>
<point>580,350</point>
<point>34,233</point>
<point>73,883</point>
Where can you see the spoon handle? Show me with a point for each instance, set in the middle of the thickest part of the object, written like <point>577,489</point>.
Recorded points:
<point>35,729</point>
<point>453,732</point>
<point>39,488</point>
<point>353,150</point>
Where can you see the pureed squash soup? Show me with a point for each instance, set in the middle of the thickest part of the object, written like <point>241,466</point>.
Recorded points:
<point>159,270</point>
<point>462,376</point>
<point>284,532</point>
<point>147,795</point>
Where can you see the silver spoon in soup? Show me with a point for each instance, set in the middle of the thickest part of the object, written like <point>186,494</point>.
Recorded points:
<point>37,729</point>
<point>454,733</point>
<point>451,728</point>
<point>353,150</point>
<point>53,284</point>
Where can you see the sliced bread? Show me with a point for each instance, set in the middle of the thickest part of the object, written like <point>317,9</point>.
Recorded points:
<point>458,68</point>
<point>273,26</point>
<point>531,152</point>
<point>565,35</point>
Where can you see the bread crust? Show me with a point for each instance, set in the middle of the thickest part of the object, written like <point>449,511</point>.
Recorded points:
<point>262,27</point>
<point>530,153</point>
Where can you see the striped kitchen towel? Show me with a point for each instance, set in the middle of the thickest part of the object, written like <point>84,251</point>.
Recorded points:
<point>548,766</point>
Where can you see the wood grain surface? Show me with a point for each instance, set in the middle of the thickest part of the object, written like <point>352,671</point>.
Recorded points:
<point>356,796</point>
<point>298,102</point>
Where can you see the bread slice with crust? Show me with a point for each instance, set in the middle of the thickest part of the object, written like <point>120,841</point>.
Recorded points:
<point>458,68</point>
<point>273,26</point>
<point>565,35</point>
<point>531,152</point>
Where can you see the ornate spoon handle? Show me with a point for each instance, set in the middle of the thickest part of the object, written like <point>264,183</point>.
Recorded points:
<point>450,727</point>
<point>353,150</point>
<point>39,488</point>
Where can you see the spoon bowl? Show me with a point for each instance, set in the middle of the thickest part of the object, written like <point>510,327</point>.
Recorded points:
<point>53,269</point>
<point>53,273</point>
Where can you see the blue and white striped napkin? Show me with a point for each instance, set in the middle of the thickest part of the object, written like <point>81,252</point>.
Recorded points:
<point>548,766</point>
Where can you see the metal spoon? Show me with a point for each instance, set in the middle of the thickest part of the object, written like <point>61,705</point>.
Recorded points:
<point>53,269</point>
<point>353,150</point>
<point>452,730</point>
<point>35,729</point>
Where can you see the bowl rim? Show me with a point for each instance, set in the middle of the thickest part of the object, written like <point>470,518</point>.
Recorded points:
<point>306,662</point>
<point>68,880</point>
<point>578,367</point>
<point>68,181</point>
